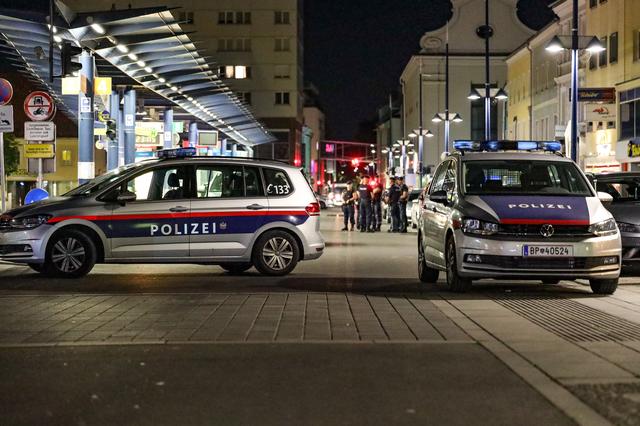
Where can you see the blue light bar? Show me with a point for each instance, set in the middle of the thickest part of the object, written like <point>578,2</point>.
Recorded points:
<point>492,146</point>
<point>176,152</point>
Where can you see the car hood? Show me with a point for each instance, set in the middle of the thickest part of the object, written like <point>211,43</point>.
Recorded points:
<point>533,209</point>
<point>44,206</point>
<point>625,212</point>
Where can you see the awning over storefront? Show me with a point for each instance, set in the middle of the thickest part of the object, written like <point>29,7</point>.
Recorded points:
<point>148,46</point>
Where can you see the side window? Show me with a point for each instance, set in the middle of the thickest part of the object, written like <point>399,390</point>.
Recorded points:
<point>277,183</point>
<point>438,178</point>
<point>253,182</point>
<point>449,183</point>
<point>219,181</point>
<point>159,184</point>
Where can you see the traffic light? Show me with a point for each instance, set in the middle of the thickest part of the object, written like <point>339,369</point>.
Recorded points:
<point>112,131</point>
<point>68,52</point>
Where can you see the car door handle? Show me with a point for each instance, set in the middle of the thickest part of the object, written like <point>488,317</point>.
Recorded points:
<point>178,209</point>
<point>256,207</point>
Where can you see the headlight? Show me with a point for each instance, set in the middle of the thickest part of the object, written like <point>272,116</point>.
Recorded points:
<point>601,229</point>
<point>628,227</point>
<point>29,222</point>
<point>477,226</point>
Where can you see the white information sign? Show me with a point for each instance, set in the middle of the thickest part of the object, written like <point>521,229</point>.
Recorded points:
<point>6,118</point>
<point>43,131</point>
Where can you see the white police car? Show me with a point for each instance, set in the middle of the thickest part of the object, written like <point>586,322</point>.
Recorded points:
<point>516,210</point>
<point>180,208</point>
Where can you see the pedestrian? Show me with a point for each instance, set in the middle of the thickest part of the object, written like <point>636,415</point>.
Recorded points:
<point>393,200</point>
<point>364,204</point>
<point>349,206</point>
<point>376,204</point>
<point>404,199</point>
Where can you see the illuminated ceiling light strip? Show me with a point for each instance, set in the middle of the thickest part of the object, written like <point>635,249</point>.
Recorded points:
<point>122,48</point>
<point>97,28</point>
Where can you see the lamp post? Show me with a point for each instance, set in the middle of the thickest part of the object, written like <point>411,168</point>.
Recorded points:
<point>575,43</point>
<point>420,134</point>
<point>403,144</point>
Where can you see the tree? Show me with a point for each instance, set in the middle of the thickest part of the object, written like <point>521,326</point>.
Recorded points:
<point>11,154</point>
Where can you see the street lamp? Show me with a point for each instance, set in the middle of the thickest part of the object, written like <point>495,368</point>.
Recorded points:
<point>403,144</point>
<point>575,43</point>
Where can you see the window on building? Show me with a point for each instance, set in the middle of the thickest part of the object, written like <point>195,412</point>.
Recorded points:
<point>593,3</point>
<point>282,71</point>
<point>282,45</point>
<point>245,97</point>
<point>185,17</point>
<point>593,61</point>
<point>603,1</point>
<point>613,48</point>
<point>630,120</point>
<point>234,45</point>
<point>281,17</point>
<point>477,119</point>
<point>282,98</point>
<point>66,158</point>
<point>229,71</point>
<point>602,61</point>
<point>228,17</point>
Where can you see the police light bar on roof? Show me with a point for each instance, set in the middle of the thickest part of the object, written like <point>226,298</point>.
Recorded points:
<point>176,152</point>
<point>492,146</point>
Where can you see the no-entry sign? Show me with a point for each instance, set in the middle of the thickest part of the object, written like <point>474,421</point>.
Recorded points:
<point>39,106</point>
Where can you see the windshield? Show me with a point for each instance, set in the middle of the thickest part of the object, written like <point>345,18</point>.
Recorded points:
<point>623,190</point>
<point>522,177</point>
<point>100,182</point>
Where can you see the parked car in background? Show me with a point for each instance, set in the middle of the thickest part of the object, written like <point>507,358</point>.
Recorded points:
<point>624,187</point>
<point>411,202</point>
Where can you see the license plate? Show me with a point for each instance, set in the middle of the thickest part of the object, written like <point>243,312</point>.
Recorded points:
<point>547,251</point>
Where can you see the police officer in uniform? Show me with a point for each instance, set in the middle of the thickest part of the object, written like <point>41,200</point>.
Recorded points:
<point>349,197</point>
<point>364,200</point>
<point>376,204</point>
<point>393,199</point>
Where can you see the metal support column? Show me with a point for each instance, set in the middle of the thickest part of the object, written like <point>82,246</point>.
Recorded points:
<point>129,126</point>
<point>487,84</point>
<point>574,83</point>
<point>3,178</point>
<point>168,128</point>
<point>120,127</point>
<point>86,163</point>
<point>193,134</point>
<point>112,145</point>
<point>420,133</point>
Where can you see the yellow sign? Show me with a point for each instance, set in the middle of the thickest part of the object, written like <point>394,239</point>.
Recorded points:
<point>39,150</point>
<point>634,150</point>
<point>99,131</point>
<point>101,85</point>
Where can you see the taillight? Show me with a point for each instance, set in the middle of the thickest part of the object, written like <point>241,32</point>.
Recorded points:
<point>313,209</point>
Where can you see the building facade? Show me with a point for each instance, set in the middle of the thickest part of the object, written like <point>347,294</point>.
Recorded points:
<point>265,36</point>
<point>466,72</point>
<point>314,120</point>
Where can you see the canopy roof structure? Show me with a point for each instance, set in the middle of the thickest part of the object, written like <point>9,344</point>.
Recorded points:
<point>147,46</point>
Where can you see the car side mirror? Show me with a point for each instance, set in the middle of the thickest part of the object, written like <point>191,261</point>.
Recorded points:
<point>126,197</point>
<point>439,197</point>
<point>605,198</point>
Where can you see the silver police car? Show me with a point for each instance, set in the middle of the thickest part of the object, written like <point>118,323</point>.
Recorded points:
<point>236,213</point>
<point>514,210</point>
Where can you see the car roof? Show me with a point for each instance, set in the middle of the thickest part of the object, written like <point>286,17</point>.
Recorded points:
<point>227,160</point>
<point>510,155</point>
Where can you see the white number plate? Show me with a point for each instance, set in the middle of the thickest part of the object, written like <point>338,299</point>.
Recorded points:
<point>547,251</point>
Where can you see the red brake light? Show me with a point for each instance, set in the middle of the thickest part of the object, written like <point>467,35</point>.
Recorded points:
<point>313,209</point>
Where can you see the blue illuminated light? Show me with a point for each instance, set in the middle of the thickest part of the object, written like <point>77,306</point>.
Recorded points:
<point>492,146</point>
<point>176,152</point>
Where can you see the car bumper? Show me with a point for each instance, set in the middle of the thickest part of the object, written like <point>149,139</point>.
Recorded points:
<point>597,257</point>
<point>631,251</point>
<point>24,246</point>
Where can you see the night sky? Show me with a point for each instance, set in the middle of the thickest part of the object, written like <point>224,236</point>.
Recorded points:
<point>355,50</point>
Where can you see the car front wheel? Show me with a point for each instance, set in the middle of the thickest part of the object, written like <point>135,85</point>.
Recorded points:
<point>276,253</point>
<point>454,281</point>
<point>425,273</point>
<point>604,286</point>
<point>70,254</point>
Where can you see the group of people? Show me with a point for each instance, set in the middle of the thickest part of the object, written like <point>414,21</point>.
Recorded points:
<point>367,199</point>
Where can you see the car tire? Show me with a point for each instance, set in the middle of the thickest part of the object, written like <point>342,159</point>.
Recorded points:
<point>604,286</point>
<point>38,267</point>
<point>425,273</point>
<point>454,281</point>
<point>70,254</point>
<point>550,281</point>
<point>236,268</point>
<point>276,253</point>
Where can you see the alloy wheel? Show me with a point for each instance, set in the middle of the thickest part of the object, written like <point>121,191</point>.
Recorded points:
<point>68,255</point>
<point>277,253</point>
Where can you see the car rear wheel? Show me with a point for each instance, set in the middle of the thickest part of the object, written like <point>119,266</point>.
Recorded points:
<point>604,286</point>
<point>276,253</point>
<point>236,268</point>
<point>425,273</point>
<point>454,281</point>
<point>70,254</point>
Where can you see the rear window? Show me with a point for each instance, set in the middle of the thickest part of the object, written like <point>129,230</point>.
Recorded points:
<point>277,183</point>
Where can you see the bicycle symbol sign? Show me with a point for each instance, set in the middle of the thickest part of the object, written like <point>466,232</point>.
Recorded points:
<point>39,106</point>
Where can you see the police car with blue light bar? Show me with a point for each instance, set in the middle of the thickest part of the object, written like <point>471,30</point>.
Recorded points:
<point>516,210</point>
<point>177,208</point>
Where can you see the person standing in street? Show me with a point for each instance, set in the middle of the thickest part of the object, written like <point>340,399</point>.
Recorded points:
<point>364,204</point>
<point>349,206</point>
<point>376,204</point>
<point>404,199</point>
<point>393,200</point>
